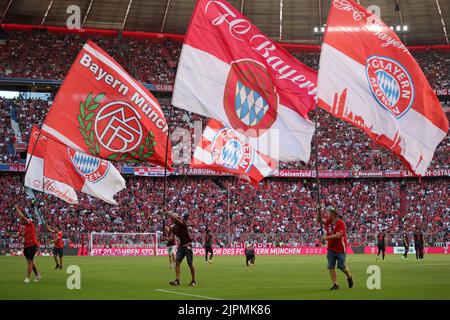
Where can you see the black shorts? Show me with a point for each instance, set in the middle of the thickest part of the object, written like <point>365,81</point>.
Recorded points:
<point>185,251</point>
<point>381,247</point>
<point>58,252</point>
<point>208,249</point>
<point>250,257</point>
<point>29,252</point>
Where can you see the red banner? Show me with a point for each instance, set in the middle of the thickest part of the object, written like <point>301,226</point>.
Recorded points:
<point>217,251</point>
<point>101,110</point>
<point>151,172</point>
<point>399,250</point>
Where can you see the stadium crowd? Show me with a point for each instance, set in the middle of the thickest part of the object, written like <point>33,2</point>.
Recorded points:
<point>337,141</point>
<point>281,210</point>
<point>44,55</point>
<point>40,54</point>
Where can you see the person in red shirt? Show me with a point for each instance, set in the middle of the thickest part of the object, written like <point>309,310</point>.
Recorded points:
<point>337,245</point>
<point>171,245</point>
<point>30,245</point>
<point>58,248</point>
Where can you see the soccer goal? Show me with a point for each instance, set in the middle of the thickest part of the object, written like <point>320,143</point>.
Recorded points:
<point>123,244</point>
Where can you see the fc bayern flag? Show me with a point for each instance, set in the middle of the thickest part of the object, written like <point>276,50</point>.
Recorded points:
<point>34,176</point>
<point>368,78</point>
<point>230,71</point>
<point>222,150</point>
<point>101,110</point>
<point>94,176</point>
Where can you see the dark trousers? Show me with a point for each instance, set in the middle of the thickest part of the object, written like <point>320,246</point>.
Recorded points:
<point>250,258</point>
<point>208,249</point>
<point>381,249</point>
<point>419,251</point>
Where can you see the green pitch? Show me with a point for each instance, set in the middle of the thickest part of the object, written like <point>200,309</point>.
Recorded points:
<point>282,277</point>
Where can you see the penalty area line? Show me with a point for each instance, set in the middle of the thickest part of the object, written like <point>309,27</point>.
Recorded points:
<point>188,294</point>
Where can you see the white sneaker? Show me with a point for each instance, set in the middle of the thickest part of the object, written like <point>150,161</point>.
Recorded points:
<point>27,280</point>
<point>38,278</point>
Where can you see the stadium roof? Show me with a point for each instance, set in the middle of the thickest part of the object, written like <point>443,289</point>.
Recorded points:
<point>299,17</point>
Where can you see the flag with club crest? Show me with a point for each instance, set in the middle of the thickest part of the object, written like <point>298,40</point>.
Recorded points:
<point>102,111</point>
<point>221,149</point>
<point>230,71</point>
<point>34,175</point>
<point>368,78</point>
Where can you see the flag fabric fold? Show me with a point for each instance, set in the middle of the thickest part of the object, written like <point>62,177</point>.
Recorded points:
<point>102,111</point>
<point>34,175</point>
<point>368,78</point>
<point>94,176</point>
<point>230,71</point>
<point>59,170</point>
<point>222,150</point>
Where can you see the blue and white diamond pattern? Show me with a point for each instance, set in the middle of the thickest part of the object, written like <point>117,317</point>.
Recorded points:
<point>389,85</point>
<point>231,154</point>
<point>85,163</point>
<point>250,105</point>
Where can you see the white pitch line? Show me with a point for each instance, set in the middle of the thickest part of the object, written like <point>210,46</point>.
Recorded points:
<point>188,294</point>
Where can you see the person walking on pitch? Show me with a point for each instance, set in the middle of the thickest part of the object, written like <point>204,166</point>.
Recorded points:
<point>184,249</point>
<point>337,245</point>
<point>381,244</point>
<point>58,249</point>
<point>208,246</point>
<point>30,245</point>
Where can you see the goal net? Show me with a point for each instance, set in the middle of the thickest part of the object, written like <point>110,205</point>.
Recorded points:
<point>123,244</point>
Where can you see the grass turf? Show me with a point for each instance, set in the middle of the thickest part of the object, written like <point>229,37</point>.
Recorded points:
<point>273,277</point>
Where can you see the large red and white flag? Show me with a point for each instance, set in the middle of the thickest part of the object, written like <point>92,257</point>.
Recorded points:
<point>230,71</point>
<point>368,78</point>
<point>222,150</point>
<point>94,176</point>
<point>101,110</point>
<point>34,176</point>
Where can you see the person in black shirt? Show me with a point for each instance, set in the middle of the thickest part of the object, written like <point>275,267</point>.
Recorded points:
<point>249,255</point>
<point>418,244</point>
<point>180,229</point>
<point>381,244</point>
<point>208,246</point>
<point>406,245</point>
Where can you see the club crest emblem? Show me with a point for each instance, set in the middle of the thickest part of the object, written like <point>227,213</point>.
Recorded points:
<point>228,151</point>
<point>114,130</point>
<point>250,98</point>
<point>92,168</point>
<point>118,128</point>
<point>390,84</point>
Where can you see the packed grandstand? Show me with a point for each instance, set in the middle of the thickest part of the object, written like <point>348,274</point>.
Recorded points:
<point>369,188</point>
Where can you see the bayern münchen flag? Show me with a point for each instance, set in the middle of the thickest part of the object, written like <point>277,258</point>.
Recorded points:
<point>368,78</point>
<point>101,110</point>
<point>221,149</point>
<point>232,72</point>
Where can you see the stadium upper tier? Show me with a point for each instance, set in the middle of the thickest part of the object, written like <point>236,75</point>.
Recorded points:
<point>39,54</point>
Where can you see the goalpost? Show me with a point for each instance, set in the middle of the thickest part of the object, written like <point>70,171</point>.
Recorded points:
<point>123,244</point>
